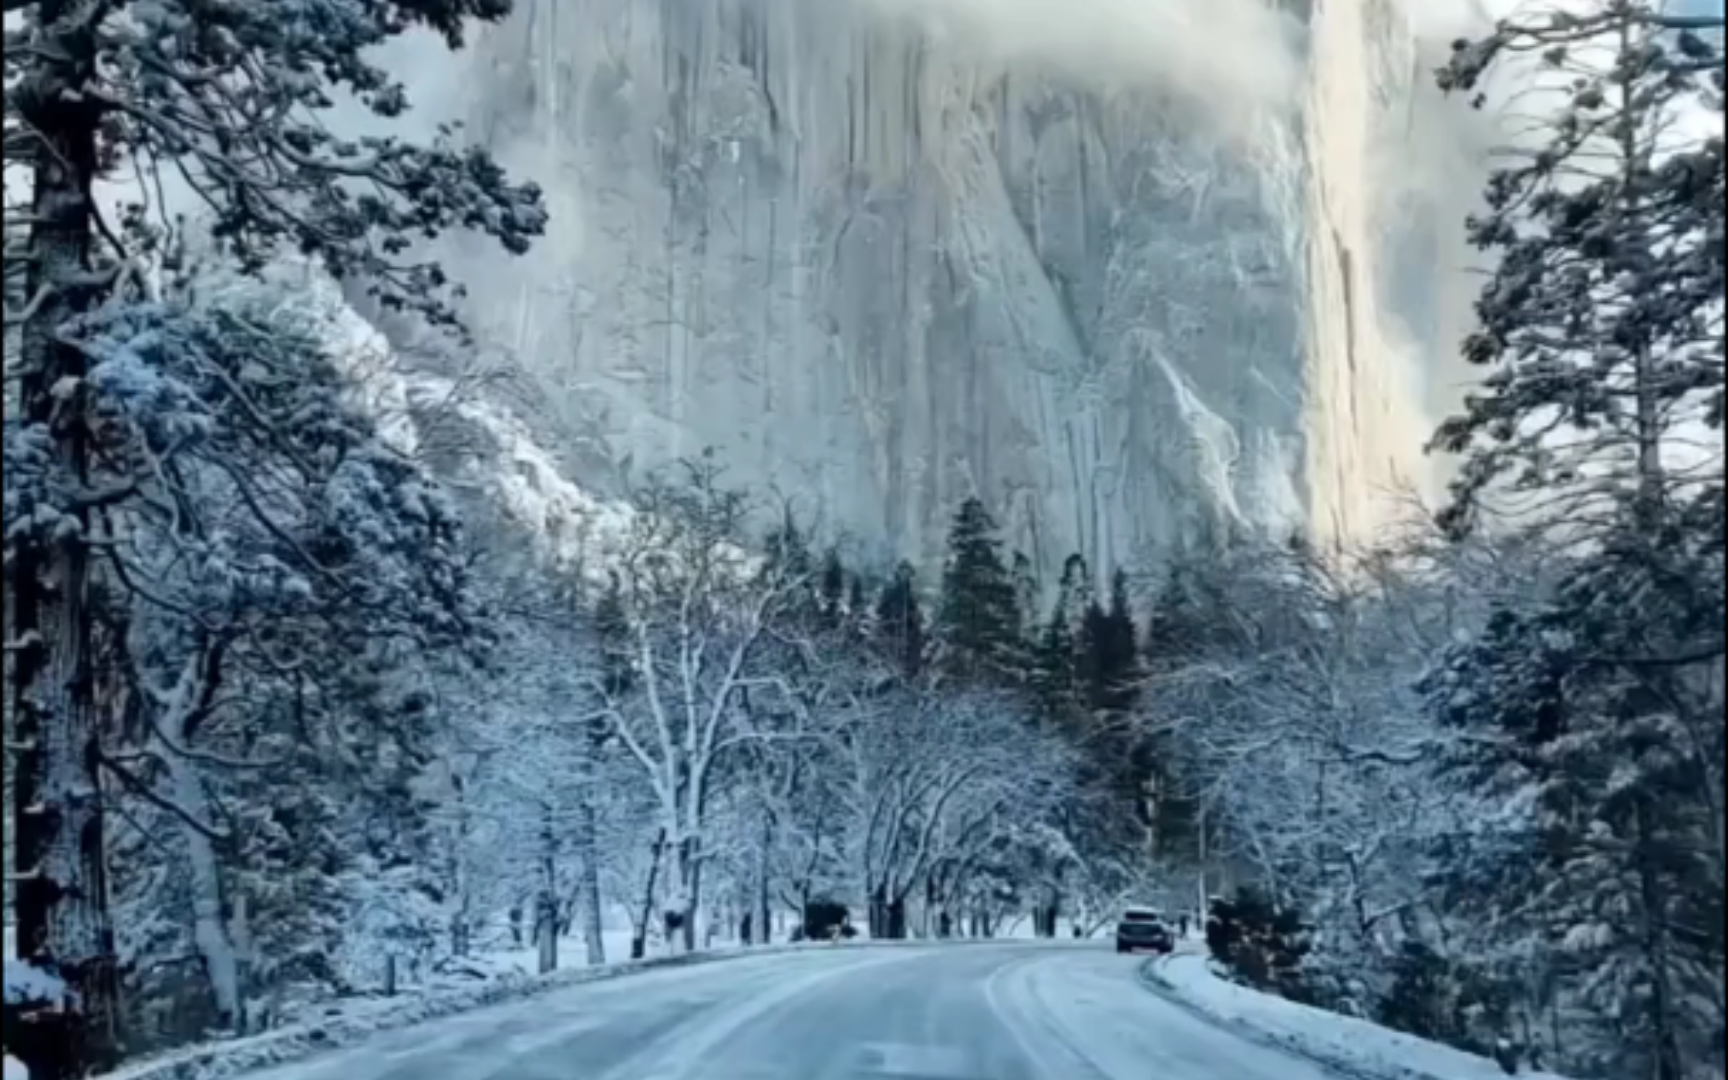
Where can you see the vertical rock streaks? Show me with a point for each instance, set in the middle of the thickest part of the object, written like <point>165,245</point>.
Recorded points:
<point>877,269</point>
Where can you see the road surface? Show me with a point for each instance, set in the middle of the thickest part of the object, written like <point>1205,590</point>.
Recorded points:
<point>964,1012</point>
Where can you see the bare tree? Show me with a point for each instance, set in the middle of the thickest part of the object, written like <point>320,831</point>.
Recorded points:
<point>698,613</point>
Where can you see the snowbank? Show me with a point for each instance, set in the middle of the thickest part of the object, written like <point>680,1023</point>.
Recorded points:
<point>1344,1044</point>
<point>24,982</point>
<point>351,1023</point>
<point>345,1026</point>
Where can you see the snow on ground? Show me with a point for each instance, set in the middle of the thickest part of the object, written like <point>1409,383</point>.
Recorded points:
<point>1003,1009</point>
<point>26,982</point>
<point>1079,1014</point>
<point>507,961</point>
<point>490,977</point>
<point>342,1024</point>
<point>10,1069</point>
<point>1344,1043</point>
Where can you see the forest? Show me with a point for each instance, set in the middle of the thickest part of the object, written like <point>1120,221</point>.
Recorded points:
<point>295,711</point>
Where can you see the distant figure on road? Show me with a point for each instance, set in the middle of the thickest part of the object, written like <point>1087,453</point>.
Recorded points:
<point>1182,923</point>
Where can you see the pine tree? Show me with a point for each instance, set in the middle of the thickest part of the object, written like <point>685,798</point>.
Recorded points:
<point>1185,623</point>
<point>354,579</point>
<point>833,586</point>
<point>1594,703</point>
<point>856,602</point>
<point>899,622</point>
<point>1603,306</point>
<point>1027,595</point>
<point>1109,673</point>
<point>979,622</point>
<point>1113,642</point>
<point>1056,650</point>
<point>122,89</point>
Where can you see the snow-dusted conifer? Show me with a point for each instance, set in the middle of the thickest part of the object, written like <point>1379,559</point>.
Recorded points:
<point>228,98</point>
<point>1595,704</point>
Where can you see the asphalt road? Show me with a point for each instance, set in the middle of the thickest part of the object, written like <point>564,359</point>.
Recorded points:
<point>965,1012</point>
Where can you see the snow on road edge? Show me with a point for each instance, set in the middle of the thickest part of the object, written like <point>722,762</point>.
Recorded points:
<point>218,1060</point>
<point>1347,1046</point>
<point>234,1057</point>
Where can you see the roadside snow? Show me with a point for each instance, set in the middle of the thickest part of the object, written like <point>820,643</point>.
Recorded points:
<point>345,1026</point>
<point>523,961</point>
<point>26,982</point>
<point>1345,1044</point>
<point>14,1070</point>
<point>501,979</point>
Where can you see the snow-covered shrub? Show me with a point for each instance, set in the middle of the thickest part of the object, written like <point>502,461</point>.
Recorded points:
<point>1445,1000</point>
<point>1262,944</point>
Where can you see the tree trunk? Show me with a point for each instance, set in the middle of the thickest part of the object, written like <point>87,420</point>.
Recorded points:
<point>761,911</point>
<point>684,906</point>
<point>546,901</point>
<point>588,884</point>
<point>461,921</point>
<point>639,940</point>
<point>545,935</point>
<point>1665,1049</point>
<point>692,892</point>
<point>61,901</point>
<point>877,918</point>
<point>895,917</point>
<point>210,933</point>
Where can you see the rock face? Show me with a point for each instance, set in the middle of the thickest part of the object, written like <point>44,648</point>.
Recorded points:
<point>883,268</point>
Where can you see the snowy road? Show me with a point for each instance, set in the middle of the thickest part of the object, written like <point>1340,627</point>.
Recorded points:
<point>984,1012</point>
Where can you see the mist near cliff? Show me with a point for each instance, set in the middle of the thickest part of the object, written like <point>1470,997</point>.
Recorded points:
<point>1128,269</point>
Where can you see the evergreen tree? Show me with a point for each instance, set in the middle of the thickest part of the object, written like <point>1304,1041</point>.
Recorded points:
<point>1189,612</point>
<point>1108,671</point>
<point>899,623</point>
<point>856,604</point>
<point>1184,623</point>
<point>1112,641</point>
<point>97,92</point>
<point>1604,306</point>
<point>1056,650</point>
<point>1594,704</point>
<point>1026,595</point>
<point>833,586</point>
<point>979,623</point>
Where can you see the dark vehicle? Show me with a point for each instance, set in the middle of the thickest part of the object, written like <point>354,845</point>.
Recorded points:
<point>1143,928</point>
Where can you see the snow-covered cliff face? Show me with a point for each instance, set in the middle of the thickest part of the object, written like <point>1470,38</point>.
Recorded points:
<point>884,260</point>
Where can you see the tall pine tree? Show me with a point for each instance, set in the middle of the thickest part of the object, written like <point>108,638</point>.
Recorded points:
<point>898,625</point>
<point>233,99</point>
<point>1056,652</point>
<point>978,627</point>
<point>1597,704</point>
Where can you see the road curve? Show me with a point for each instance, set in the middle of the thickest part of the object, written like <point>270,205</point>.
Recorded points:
<point>969,1012</point>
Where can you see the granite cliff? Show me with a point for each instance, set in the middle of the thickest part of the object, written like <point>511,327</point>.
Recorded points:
<point>1126,270</point>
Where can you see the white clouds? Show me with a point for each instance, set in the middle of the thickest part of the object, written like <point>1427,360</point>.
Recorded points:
<point>1230,53</point>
